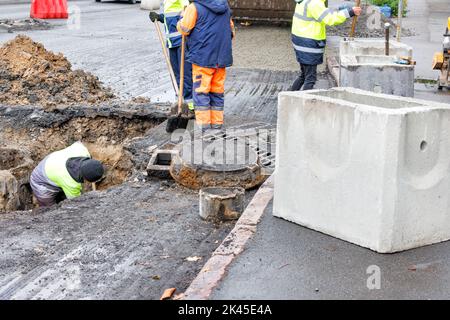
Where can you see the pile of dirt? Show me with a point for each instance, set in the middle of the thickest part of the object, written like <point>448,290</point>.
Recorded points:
<point>24,24</point>
<point>370,25</point>
<point>30,74</point>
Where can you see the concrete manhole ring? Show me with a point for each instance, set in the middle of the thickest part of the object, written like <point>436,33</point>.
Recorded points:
<point>217,163</point>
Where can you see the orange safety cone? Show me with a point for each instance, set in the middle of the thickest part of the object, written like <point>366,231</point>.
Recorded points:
<point>63,10</point>
<point>49,9</point>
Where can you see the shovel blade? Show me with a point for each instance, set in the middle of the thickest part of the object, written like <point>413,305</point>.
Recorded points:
<point>175,123</point>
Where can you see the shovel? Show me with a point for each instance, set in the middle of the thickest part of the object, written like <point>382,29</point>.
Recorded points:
<point>179,121</point>
<point>354,22</point>
<point>166,56</point>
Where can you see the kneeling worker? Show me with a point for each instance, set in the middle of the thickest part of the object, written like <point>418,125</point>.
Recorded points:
<point>64,172</point>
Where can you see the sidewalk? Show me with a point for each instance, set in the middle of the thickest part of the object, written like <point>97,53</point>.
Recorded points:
<point>286,261</point>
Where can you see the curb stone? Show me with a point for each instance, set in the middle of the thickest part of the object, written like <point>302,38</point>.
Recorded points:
<point>234,244</point>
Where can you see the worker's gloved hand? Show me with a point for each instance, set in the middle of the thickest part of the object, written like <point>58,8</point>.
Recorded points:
<point>154,16</point>
<point>357,11</point>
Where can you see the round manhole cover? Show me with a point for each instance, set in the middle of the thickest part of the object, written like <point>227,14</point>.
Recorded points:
<point>217,163</point>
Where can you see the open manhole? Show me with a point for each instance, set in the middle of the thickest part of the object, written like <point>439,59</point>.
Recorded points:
<point>105,132</point>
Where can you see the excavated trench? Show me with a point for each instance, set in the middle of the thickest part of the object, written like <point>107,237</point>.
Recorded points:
<point>29,134</point>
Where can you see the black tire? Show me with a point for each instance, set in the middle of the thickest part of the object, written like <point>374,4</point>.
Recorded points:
<point>132,1</point>
<point>98,0</point>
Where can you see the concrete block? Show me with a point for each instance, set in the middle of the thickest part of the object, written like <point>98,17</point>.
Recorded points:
<point>371,169</point>
<point>221,204</point>
<point>373,47</point>
<point>364,65</point>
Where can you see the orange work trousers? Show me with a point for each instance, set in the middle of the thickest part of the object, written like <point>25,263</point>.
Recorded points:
<point>208,95</point>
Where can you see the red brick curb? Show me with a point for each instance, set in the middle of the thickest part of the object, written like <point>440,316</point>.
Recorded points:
<point>215,268</point>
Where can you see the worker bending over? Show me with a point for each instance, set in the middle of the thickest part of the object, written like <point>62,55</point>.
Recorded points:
<point>210,31</point>
<point>61,174</point>
<point>309,36</point>
<point>170,17</point>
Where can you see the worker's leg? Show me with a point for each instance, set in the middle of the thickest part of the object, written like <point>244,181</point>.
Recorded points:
<point>217,97</point>
<point>202,78</point>
<point>175,54</point>
<point>187,95</point>
<point>298,83</point>
<point>44,193</point>
<point>310,77</point>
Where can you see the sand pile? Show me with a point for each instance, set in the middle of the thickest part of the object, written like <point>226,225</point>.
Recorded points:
<point>29,74</point>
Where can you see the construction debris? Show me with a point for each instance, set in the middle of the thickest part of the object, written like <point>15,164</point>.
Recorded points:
<point>193,259</point>
<point>219,204</point>
<point>370,25</point>
<point>11,25</point>
<point>168,293</point>
<point>30,74</point>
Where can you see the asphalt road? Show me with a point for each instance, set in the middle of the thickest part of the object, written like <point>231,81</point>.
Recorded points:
<point>286,261</point>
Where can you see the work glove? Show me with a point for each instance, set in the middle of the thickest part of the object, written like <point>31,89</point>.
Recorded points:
<point>154,16</point>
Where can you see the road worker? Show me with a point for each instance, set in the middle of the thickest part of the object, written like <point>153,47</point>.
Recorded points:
<point>61,174</point>
<point>209,30</point>
<point>170,17</point>
<point>309,36</point>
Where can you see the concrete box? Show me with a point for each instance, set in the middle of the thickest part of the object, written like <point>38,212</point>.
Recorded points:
<point>368,168</point>
<point>364,65</point>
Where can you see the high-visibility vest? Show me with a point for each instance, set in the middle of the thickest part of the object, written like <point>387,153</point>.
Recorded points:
<point>312,16</point>
<point>56,170</point>
<point>172,14</point>
<point>309,29</point>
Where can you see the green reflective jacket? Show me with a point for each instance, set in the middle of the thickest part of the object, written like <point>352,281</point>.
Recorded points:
<point>56,171</point>
<point>312,16</point>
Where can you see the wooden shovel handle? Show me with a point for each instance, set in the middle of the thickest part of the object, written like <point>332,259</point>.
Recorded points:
<point>166,56</point>
<point>355,21</point>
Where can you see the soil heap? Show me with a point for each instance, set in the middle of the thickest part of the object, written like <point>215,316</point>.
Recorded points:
<point>30,74</point>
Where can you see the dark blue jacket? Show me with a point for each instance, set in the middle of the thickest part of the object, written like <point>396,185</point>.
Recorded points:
<point>309,51</point>
<point>172,35</point>
<point>210,42</point>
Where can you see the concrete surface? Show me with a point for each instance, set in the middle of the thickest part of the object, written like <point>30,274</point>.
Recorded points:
<point>364,65</point>
<point>373,47</point>
<point>286,262</point>
<point>368,168</point>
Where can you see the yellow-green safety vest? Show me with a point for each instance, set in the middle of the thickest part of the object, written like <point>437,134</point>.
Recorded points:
<point>172,14</point>
<point>312,16</point>
<point>56,171</point>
